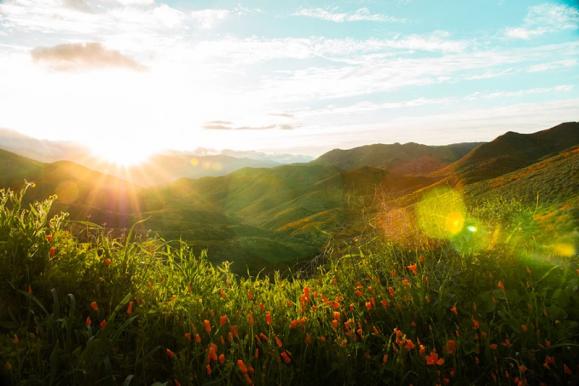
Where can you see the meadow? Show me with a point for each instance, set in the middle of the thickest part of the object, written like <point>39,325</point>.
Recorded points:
<point>81,306</point>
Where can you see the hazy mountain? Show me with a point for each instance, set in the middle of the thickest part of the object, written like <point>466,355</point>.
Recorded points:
<point>409,158</point>
<point>40,150</point>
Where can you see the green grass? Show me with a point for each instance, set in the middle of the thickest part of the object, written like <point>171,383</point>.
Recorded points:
<point>84,307</point>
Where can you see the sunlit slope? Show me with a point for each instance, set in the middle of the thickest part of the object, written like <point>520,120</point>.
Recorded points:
<point>512,151</point>
<point>85,193</point>
<point>409,158</point>
<point>550,180</point>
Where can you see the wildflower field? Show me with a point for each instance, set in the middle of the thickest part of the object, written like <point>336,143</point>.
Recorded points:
<point>79,306</point>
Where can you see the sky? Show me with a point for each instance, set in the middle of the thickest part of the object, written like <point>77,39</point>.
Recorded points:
<point>285,76</point>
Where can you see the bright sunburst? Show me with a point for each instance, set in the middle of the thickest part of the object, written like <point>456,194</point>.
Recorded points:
<point>122,154</point>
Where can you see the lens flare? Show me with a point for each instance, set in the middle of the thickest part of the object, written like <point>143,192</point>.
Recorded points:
<point>441,213</point>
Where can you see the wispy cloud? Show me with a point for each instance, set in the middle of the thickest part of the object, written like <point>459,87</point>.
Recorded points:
<point>227,125</point>
<point>82,56</point>
<point>545,18</point>
<point>361,14</point>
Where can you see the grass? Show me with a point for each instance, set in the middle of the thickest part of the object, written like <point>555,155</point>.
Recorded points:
<point>85,307</point>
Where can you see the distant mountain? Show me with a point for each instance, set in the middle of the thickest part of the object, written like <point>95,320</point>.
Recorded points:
<point>160,169</point>
<point>169,166</point>
<point>512,151</point>
<point>409,158</point>
<point>38,149</point>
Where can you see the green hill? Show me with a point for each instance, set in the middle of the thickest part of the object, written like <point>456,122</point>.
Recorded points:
<point>513,151</point>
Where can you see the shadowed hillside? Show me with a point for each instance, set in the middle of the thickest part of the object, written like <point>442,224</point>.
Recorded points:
<point>512,151</point>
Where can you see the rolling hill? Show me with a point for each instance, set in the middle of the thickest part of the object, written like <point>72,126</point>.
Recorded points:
<point>278,216</point>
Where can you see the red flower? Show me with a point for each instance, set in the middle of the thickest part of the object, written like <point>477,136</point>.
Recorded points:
<point>170,354</point>
<point>223,320</point>
<point>268,318</point>
<point>94,305</point>
<point>222,358</point>
<point>88,321</point>
<point>103,324</point>
<point>52,251</point>
<point>412,268</point>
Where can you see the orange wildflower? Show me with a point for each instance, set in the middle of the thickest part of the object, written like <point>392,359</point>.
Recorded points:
<point>187,336</point>
<point>406,282</point>
<point>103,324</point>
<point>107,262</point>
<point>94,305</point>
<point>49,238</point>
<point>475,324</point>
<point>88,321</point>
<point>451,346</point>
<point>250,320</point>
<point>234,331</point>
<point>409,344</point>
<point>241,366</point>
<point>384,303</point>
<point>197,338</point>
<point>369,306</point>
<point>412,268</point>
<point>501,285</point>
<point>212,352</point>
<point>336,315</point>
<point>549,360</point>
<point>278,342</point>
<point>268,318</point>
<point>208,369</point>
<point>391,291</point>
<point>286,357</point>
<point>432,359</point>
<point>223,320</point>
<point>454,310</point>
<point>207,326</point>
<point>493,346</point>
<point>130,308</point>
<point>52,251</point>
<point>385,359</point>
<point>250,295</point>
<point>170,354</point>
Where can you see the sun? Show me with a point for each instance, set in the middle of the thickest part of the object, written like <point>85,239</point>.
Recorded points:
<point>122,154</point>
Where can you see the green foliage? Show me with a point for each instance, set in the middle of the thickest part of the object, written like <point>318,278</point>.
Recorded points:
<point>100,309</point>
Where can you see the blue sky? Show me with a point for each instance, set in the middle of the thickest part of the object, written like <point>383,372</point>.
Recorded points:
<point>291,76</point>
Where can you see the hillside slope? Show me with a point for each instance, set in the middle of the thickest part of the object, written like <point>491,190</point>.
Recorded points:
<point>409,158</point>
<point>512,151</point>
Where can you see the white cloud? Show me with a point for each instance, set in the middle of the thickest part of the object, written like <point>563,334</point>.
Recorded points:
<point>545,18</point>
<point>557,64</point>
<point>208,18</point>
<point>361,14</point>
